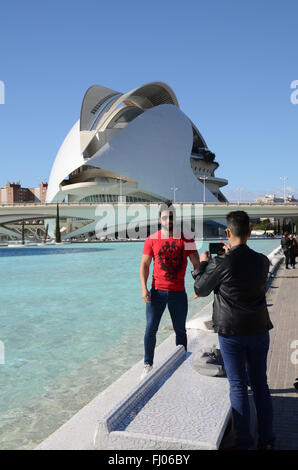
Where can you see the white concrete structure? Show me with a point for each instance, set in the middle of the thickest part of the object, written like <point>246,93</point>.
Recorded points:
<point>133,147</point>
<point>272,199</point>
<point>139,145</point>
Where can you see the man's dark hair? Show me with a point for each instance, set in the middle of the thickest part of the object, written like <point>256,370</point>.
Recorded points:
<point>238,223</point>
<point>167,206</point>
<point>286,234</point>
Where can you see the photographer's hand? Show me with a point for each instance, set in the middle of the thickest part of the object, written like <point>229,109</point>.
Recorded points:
<point>205,256</point>
<point>226,246</point>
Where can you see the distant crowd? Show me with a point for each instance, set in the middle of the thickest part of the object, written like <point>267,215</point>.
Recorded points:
<point>289,246</point>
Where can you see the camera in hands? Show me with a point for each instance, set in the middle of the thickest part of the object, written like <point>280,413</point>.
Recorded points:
<point>216,248</point>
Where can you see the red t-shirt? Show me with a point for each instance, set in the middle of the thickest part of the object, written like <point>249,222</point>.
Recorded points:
<point>170,260</point>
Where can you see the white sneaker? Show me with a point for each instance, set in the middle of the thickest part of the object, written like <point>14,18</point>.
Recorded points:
<point>147,369</point>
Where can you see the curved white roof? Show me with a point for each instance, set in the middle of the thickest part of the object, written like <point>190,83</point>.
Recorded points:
<point>154,148</point>
<point>93,97</point>
<point>68,159</point>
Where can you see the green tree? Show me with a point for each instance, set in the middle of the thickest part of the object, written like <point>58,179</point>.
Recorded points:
<point>58,233</point>
<point>23,232</point>
<point>46,233</point>
<point>264,225</point>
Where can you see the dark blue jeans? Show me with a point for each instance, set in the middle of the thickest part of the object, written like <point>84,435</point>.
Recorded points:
<point>245,360</point>
<point>177,305</point>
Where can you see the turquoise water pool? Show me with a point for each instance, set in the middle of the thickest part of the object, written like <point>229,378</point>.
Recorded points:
<point>72,321</point>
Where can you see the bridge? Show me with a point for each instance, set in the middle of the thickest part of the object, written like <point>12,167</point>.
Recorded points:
<point>93,213</point>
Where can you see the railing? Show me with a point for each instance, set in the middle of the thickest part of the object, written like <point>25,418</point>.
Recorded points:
<point>33,204</point>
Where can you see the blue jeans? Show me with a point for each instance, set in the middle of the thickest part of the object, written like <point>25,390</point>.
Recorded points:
<point>177,305</point>
<point>245,360</point>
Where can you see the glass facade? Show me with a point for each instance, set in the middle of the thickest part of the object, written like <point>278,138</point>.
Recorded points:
<point>112,198</point>
<point>125,116</point>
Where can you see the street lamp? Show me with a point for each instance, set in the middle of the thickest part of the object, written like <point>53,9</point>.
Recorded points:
<point>174,189</point>
<point>240,194</point>
<point>284,179</point>
<point>204,178</point>
<point>120,181</point>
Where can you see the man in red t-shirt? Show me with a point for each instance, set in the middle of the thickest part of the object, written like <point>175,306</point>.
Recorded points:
<point>170,260</point>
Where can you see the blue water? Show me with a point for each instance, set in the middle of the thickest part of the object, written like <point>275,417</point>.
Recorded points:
<point>72,321</point>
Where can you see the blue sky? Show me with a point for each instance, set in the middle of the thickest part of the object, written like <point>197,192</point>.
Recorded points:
<point>229,62</point>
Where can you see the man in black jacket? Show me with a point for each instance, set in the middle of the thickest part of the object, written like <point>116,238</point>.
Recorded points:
<point>286,247</point>
<point>240,317</point>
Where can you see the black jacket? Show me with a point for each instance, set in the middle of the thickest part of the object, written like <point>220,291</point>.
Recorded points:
<point>238,279</point>
<point>285,244</point>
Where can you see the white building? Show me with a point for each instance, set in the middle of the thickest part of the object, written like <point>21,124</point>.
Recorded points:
<point>271,198</point>
<point>139,145</point>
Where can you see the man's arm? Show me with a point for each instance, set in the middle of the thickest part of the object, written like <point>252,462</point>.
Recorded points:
<point>208,275</point>
<point>144,273</point>
<point>195,259</point>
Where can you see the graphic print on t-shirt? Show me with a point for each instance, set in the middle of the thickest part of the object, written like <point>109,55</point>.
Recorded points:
<point>171,259</point>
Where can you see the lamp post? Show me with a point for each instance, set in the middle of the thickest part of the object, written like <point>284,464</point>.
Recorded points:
<point>204,178</point>
<point>284,179</point>
<point>240,194</point>
<point>120,181</point>
<point>174,189</point>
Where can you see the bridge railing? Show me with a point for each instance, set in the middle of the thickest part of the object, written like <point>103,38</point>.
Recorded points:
<point>227,204</point>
